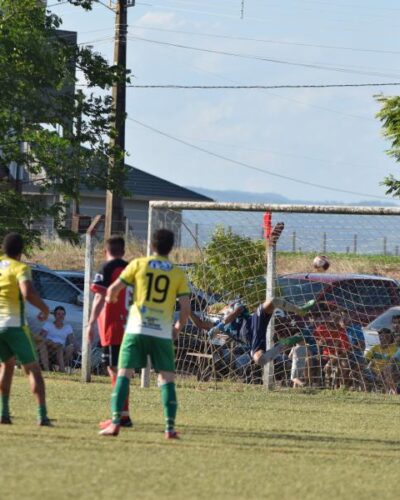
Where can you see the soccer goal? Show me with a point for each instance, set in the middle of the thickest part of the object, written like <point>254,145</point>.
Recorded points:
<point>237,256</point>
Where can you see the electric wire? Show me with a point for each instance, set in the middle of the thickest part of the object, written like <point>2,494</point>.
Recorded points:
<point>249,166</point>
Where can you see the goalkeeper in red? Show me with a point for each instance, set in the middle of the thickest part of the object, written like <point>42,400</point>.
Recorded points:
<point>149,331</point>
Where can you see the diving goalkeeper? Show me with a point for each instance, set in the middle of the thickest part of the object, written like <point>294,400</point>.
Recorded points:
<point>250,329</point>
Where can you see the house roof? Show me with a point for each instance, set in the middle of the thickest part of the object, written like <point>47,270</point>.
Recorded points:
<point>144,185</point>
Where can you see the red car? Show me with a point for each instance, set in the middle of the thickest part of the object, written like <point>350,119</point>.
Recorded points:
<point>364,296</point>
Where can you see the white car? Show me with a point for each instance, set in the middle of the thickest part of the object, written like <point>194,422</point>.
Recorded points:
<point>56,291</point>
<point>384,320</point>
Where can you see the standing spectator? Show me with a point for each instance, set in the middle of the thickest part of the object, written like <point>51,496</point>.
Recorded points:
<point>57,338</point>
<point>357,347</point>
<point>15,337</point>
<point>334,343</point>
<point>111,317</point>
<point>149,332</point>
<point>300,372</point>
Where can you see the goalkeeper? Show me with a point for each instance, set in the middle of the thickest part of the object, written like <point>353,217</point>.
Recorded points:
<point>250,329</point>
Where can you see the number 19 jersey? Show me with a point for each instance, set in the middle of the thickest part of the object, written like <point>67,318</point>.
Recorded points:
<point>157,284</point>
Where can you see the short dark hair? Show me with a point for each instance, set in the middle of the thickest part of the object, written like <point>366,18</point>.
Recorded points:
<point>163,241</point>
<point>116,246</point>
<point>13,245</point>
<point>395,317</point>
<point>59,308</point>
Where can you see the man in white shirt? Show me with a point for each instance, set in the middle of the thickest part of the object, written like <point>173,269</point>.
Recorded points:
<point>56,337</point>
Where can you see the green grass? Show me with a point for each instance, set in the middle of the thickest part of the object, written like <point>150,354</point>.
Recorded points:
<point>237,442</point>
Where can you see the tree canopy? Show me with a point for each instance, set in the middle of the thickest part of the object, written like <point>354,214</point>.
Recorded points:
<point>66,131</point>
<point>389,115</point>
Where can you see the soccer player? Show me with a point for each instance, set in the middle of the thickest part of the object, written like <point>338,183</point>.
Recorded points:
<point>251,329</point>
<point>15,337</point>
<point>157,284</point>
<point>111,318</point>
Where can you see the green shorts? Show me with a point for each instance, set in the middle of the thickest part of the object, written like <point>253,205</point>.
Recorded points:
<point>136,347</point>
<point>17,341</point>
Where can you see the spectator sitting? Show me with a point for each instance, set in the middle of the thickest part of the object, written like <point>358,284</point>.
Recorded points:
<point>58,338</point>
<point>381,356</point>
<point>300,372</point>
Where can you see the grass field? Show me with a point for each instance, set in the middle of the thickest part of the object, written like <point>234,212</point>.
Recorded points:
<point>237,442</point>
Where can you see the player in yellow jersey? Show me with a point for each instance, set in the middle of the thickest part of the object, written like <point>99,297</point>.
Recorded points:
<point>150,331</point>
<point>15,337</point>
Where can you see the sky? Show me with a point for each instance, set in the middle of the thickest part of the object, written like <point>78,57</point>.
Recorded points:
<point>311,144</point>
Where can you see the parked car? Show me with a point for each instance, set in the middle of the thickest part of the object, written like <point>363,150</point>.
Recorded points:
<point>364,296</point>
<point>384,320</point>
<point>75,277</point>
<point>56,290</point>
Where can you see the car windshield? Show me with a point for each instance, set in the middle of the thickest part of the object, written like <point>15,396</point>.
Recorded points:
<point>384,320</point>
<point>298,290</point>
<point>51,287</point>
<point>363,294</point>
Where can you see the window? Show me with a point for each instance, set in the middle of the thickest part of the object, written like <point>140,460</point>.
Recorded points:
<point>51,287</point>
<point>363,294</point>
<point>297,290</point>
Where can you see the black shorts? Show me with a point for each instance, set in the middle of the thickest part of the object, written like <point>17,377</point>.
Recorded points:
<point>110,355</point>
<point>257,325</point>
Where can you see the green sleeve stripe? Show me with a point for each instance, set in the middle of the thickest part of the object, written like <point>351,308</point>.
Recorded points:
<point>185,294</point>
<point>124,281</point>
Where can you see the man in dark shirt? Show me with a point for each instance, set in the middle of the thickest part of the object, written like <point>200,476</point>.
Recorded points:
<point>111,318</point>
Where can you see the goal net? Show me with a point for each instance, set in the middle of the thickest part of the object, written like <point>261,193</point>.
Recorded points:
<point>235,262</point>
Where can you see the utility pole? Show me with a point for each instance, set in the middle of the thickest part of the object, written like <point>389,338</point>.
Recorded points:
<point>114,219</point>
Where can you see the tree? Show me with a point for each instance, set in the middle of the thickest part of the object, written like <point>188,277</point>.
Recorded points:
<point>67,131</point>
<point>389,115</point>
<point>232,266</point>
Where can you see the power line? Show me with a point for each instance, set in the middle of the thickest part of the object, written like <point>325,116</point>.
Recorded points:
<point>255,87</point>
<point>268,59</point>
<point>249,166</point>
<point>263,40</point>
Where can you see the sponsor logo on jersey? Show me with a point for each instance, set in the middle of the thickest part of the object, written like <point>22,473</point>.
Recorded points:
<point>160,264</point>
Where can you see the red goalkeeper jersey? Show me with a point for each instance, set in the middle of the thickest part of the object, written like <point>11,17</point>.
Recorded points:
<point>112,319</point>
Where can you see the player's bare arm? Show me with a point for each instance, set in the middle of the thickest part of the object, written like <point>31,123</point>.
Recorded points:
<point>184,313</point>
<point>29,294</point>
<point>200,323</point>
<point>114,290</point>
<point>98,303</point>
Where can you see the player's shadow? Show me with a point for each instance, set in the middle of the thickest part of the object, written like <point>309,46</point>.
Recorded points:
<point>301,437</point>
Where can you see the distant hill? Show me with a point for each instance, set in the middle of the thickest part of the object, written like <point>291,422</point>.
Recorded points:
<point>246,197</point>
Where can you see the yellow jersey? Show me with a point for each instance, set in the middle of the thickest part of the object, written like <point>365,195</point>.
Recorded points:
<point>380,356</point>
<point>12,272</point>
<point>157,284</point>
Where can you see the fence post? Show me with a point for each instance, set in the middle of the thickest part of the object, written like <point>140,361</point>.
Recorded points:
<point>384,245</point>
<point>126,229</point>
<point>87,296</point>
<point>294,242</point>
<point>324,243</point>
<point>355,238</point>
<point>145,374</point>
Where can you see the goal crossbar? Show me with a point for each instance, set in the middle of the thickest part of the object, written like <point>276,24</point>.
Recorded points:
<point>266,207</point>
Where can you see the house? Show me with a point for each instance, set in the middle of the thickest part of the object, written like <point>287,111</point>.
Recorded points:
<point>142,186</point>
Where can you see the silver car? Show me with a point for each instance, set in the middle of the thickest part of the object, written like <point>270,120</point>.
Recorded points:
<point>384,320</point>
